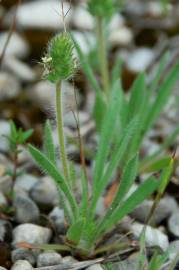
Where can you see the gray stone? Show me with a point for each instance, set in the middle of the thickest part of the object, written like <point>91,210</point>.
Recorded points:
<point>140,59</point>
<point>57,218</point>
<point>121,36</point>
<point>25,182</point>
<point>23,254</point>
<point>165,208</point>
<point>3,201</point>
<point>31,233</point>
<point>26,211</point>
<point>2,268</point>
<point>21,70</point>
<point>125,265</point>
<point>5,184</point>
<point>85,40</point>
<point>45,192</point>
<point>96,266</point>
<point>173,224</point>
<point>82,19</point>
<point>173,249</point>
<point>68,260</point>
<point>48,259</point>
<point>5,231</point>
<point>36,19</point>
<point>22,265</point>
<point>9,86</point>
<point>4,131</point>
<point>153,237</point>
<point>17,46</point>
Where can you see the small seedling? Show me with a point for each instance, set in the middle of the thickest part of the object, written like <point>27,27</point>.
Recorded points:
<point>16,138</point>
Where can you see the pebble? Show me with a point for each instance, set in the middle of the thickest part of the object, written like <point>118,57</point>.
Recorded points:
<point>22,265</point>
<point>85,40</point>
<point>49,19</point>
<point>165,208</point>
<point>5,231</point>
<point>173,249</point>
<point>121,37</point>
<point>48,259</point>
<point>68,260</point>
<point>57,218</point>
<point>96,266</point>
<point>17,46</point>
<point>2,268</point>
<point>116,22</point>
<point>45,192</point>
<point>153,237</point>
<point>173,224</point>
<point>9,86</point>
<point>69,120</point>
<point>3,201</point>
<point>25,182</point>
<point>21,70</point>
<point>23,254</point>
<point>26,210</point>
<point>140,59</point>
<point>125,265</point>
<point>82,19</point>
<point>31,233</point>
<point>5,184</point>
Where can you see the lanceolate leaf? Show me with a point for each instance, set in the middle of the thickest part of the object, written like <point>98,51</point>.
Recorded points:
<point>52,171</point>
<point>162,97</point>
<point>127,179</point>
<point>138,196</point>
<point>106,136</point>
<point>116,156</point>
<point>137,96</point>
<point>48,143</point>
<point>75,231</point>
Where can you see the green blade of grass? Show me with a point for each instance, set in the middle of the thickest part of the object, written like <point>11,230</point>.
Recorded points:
<point>49,146</point>
<point>155,165</point>
<point>52,171</point>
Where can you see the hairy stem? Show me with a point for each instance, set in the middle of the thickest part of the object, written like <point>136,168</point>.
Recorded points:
<point>103,55</point>
<point>61,138</point>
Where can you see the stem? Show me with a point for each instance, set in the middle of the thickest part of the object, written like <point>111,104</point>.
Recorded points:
<point>103,55</point>
<point>60,129</point>
<point>15,161</point>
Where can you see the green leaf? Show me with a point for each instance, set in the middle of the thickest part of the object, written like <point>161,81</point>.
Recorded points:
<point>137,96</point>
<point>165,176</point>
<point>27,134</point>
<point>87,68</point>
<point>99,111</point>
<point>156,165</point>
<point>52,171</point>
<point>106,136</point>
<point>116,71</point>
<point>75,231</point>
<point>162,97</point>
<point>127,179</point>
<point>137,197</point>
<point>49,146</point>
<point>114,161</point>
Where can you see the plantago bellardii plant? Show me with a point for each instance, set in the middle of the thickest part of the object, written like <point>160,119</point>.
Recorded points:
<point>84,230</point>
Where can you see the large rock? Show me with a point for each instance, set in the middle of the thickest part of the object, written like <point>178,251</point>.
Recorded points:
<point>31,233</point>
<point>40,14</point>
<point>22,265</point>
<point>48,259</point>
<point>153,237</point>
<point>45,192</point>
<point>9,86</point>
<point>26,211</point>
<point>17,45</point>
<point>82,19</point>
